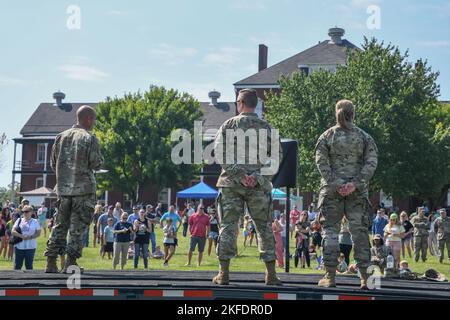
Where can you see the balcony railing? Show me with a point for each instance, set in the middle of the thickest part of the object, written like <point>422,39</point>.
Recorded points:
<point>25,166</point>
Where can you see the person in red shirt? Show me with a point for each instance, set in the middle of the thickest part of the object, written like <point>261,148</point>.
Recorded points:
<point>199,228</point>
<point>295,215</point>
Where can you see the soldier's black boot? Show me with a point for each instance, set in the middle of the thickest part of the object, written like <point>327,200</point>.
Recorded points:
<point>52,267</point>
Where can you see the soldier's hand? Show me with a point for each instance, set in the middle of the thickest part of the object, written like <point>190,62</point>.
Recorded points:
<point>248,181</point>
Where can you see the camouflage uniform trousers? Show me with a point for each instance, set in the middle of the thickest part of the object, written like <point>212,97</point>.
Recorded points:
<point>332,210</point>
<point>444,241</point>
<point>74,215</point>
<point>230,207</point>
<point>420,245</point>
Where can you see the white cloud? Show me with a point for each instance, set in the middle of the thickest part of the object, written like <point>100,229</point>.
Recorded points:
<point>83,72</point>
<point>433,44</point>
<point>224,57</point>
<point>11,81</point>
<point>171,55</point>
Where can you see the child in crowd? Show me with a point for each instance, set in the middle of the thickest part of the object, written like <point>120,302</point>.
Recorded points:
<point>342,266</point>
<point>108,240</point>
<point>158,253</point>
<point>298,245</point>
<point>404,266</point>
<point>169,241</point>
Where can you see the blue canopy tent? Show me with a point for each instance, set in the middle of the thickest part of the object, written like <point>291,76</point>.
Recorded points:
<point>198,191</point>
<point>278,194</point>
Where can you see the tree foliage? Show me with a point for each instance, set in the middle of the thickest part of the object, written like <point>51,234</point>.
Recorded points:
<point>5,193</point>
<point>396,102</point>
<point>134,133</point>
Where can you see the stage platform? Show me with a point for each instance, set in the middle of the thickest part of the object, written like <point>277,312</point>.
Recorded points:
<point>194,285</point>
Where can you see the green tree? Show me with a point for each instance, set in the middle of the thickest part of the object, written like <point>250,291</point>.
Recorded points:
<point>5,193</point>
<point>396,102</point>
<point>134,133</point>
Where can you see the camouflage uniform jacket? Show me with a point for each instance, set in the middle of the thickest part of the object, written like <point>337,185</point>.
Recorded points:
<point>233,171</point>
<point>421,226</point>
<point>442,227</point>
<point>346,156</point>
<point>75,156</point>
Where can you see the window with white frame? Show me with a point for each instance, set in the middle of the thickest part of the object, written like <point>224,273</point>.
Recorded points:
<point>39,182</point>
<point>40,158</point>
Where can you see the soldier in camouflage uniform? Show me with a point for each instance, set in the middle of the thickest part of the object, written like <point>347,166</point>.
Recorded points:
<point>442,226</point>
<point>421,232</point>
<point>347,158</point>
<point>245,182</point>
<point>75,156</point>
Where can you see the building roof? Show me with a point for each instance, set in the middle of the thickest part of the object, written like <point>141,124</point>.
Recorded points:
<point>48,120</point>
<point>324,53</point>
<point>215,115</point>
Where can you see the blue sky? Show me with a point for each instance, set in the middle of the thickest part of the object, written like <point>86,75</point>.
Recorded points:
<point>194,46</point>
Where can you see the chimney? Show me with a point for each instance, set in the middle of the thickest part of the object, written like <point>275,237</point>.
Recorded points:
<point>214,95</point>
<point>263,54</point>
<point>336,35</point>
<point>59,96</point>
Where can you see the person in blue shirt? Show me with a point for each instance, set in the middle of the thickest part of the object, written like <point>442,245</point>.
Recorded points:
<point>102,222</point>
<point>379,222</point>
<point>108,238</point>
<point>174,216</point>
<point>134,216</point>
<point>176,221</point>
<point>123,231</point>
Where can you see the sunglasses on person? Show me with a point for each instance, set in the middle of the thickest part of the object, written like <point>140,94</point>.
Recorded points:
<point>237,102</point>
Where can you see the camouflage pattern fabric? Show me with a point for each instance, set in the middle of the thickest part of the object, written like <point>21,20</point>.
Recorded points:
<point>420,246</point>
<point>230,207</point>
<point>421,226</point>
<point>443,235</point>
<point>74,214</point>
<point>233,195</point>
<point>345,156</point>
<point>234,170</point>
<point>75,156</point>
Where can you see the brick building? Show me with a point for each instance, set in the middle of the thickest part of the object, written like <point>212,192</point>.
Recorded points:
<point>38,134</point>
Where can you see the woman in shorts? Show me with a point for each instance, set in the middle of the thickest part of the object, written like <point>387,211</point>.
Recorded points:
<point>169,241</point>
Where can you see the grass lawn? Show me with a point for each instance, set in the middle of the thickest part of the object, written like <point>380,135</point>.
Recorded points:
<point>248,259</point>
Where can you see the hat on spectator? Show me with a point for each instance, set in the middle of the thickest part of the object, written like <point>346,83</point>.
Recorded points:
<point>393,216</point>
<point>25,200</point>
<point>111,207</point>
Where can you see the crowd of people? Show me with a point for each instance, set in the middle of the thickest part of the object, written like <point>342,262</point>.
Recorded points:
<point>123,236</point>
<point>394,238</point>
<point>120,236</point>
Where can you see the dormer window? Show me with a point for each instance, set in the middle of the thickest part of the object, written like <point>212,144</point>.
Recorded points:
<point>304,69</point>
